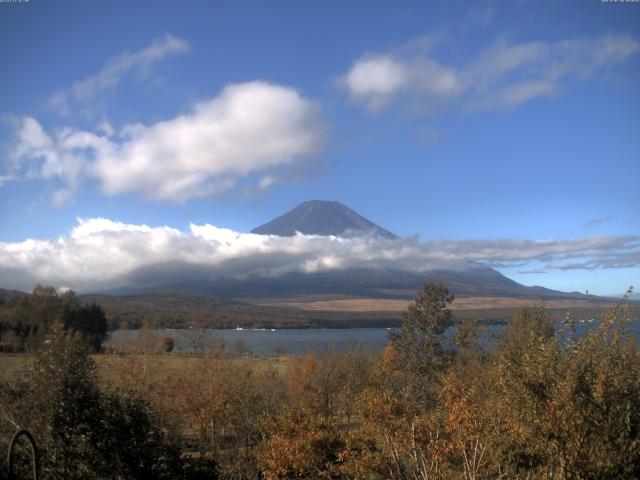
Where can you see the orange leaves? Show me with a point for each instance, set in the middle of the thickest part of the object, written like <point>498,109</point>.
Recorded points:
<point>382,407</point>
<point>298,447</point>
<point>389,356</point>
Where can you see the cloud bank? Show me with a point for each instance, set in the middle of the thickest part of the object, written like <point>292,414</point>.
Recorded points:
<point>100,253</point>
<point>503,75</point>
<point>250,129</point>
<point>140,63</point>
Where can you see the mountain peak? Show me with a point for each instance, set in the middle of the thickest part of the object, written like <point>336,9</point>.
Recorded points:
<point>322,217</point>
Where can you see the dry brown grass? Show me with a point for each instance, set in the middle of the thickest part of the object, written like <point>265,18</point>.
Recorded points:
<point>394,305</point>
<point>12,366</point>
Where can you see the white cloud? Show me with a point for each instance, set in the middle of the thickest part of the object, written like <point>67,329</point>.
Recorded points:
<point>139,62</point>
<point>250,128</point>
<point>372,80</point>
<point>513,95</point>
<point>5,178</point>
<point>375,80</point>
<point>266,182</point>
<point>101,253</point>
<point>36,154</point>
<point>436,80</point>
<point>513,250</point>
<point>502,75</point>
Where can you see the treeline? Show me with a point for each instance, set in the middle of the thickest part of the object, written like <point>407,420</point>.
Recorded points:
<point>184,310</point>
<point>189,310</point>
<point>26,320</point>
<point>541,403</point>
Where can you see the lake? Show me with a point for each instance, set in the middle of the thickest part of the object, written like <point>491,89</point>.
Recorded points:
<point>299,341</point>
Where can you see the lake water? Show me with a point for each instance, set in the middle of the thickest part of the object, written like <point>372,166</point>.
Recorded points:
<point>298,341</point>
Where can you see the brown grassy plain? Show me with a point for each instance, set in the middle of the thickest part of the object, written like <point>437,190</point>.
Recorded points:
<point>398,305</point>
<point>12,366</point>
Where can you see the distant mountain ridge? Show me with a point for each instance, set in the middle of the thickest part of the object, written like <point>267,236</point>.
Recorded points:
<point>474,281</point>
<point>317,217</point>
<point>320,217</point>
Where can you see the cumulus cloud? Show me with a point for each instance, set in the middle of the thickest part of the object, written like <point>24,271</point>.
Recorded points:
<point>502,75</point>
<point>37,155</point>
<point>101,253</point>
<point>249,129</point>
<point>375,80</point>
<point>139,62</point>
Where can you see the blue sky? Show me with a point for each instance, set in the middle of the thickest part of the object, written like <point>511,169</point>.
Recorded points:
<point>475,123</point>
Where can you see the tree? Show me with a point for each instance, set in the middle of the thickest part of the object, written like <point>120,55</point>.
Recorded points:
<point>129,443</point>
<point>59,407</point>
<point>425,318</point>
<point>566,408</point>
<point>25,320</point>
<point>82,432</point>
<point>417,344</point>
<point>317,434</point>
<point>88,320</point>
<point>466,335</point>
<point>168,343</point>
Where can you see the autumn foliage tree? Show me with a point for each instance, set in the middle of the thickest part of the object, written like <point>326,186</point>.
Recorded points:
<point>567,407</point>
<point>544,400</point>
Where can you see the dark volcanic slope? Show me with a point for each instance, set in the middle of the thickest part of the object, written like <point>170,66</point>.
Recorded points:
<point>474,281</point>
<point>317,217</point>
<point>323,218</point>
